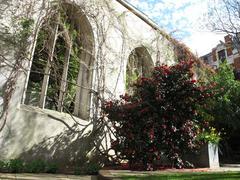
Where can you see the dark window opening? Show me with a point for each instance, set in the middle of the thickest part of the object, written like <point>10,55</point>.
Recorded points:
<point>61,72</point>
<point>222,55</point>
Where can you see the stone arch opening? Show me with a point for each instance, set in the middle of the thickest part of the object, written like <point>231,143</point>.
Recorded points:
<point>62,67</point>
<point>139,64</point>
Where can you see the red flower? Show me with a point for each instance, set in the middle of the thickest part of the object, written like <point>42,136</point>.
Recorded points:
<point>109,104</point>
<point>193,81</point>
<point>164,126</point>
<point>151,134</point>
<point>144,110</point>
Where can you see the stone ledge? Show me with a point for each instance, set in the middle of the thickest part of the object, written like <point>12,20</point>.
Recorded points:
<point>45,112</point>
<point>230,165</point>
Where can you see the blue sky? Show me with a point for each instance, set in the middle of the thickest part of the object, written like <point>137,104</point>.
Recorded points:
<point>185,19</point>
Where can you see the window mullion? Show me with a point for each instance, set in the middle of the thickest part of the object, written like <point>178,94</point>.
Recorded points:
<point>65,71</point>
<point>78,91</point>
<point>47,70</point>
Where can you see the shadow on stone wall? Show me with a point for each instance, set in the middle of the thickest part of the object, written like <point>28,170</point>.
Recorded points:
<point>70,149</point>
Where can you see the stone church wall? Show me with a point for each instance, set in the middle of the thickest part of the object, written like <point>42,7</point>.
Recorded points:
<point>32,132</point>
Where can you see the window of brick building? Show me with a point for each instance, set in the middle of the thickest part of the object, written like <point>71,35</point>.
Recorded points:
<point>221,55</point>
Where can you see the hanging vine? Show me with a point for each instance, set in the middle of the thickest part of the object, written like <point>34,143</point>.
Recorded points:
<point>31,40</point>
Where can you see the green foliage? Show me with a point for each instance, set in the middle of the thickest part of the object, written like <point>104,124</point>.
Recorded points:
<point>24,31</point>
<point>74,66</point>
<point>3,166</point>
<point>41,55</point>
<point>160,118</point>
<point>35,166</point>
<point>228,175</point>
<point>51,168</point>
<point>26,26</point>
<point>90,169</point>
<point>224,108</point>
<point>130,79</point>
<point>211,136</point>
<point>15,165</point>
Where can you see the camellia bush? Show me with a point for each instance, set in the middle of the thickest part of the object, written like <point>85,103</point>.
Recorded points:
<point>160,119</point>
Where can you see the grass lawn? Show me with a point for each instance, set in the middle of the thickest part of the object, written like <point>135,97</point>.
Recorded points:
<point>186,176</point>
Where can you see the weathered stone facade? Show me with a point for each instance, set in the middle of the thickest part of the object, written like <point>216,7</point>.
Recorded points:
<point>110,31</point>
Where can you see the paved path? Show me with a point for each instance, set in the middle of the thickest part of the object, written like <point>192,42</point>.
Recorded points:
<point>4,176</point>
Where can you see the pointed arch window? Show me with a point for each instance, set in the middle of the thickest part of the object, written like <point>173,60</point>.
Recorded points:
<point>61,72</point>
<point>139,64</point>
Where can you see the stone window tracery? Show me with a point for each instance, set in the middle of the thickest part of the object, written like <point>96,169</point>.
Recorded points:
<point>61,72</point>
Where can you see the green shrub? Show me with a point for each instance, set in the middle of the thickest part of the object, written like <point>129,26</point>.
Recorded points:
<point>90,169</point>
<point>35,166</point>
<point>51,168</point>
<point>225,106</point>
<point>159,119</point>
<point>3,166</point>
<point>15,166</point>
<point>78,171</point>
<point>211,136</point>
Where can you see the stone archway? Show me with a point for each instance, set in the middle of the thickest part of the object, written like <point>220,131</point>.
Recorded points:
<point>139,64</point>
<point>61,73</point>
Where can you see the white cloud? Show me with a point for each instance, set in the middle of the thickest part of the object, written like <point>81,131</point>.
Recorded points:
<point>185,16</point>
<point>202,42</point>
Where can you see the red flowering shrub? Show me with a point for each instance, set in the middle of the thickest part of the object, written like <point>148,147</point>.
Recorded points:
<point>159,119</point>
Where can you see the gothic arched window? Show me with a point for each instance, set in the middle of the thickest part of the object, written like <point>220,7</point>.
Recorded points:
<point>61,72</point>
<point>139,64</point>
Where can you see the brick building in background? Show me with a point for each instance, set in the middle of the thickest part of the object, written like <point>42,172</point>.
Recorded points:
<point>228,50</point>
